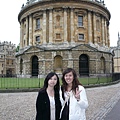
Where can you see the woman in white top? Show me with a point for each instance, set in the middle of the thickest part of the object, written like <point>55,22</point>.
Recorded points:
<point>73,97</point>
<point>48,103</point>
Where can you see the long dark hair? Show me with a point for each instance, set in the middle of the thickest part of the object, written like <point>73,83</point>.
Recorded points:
<point>48,77</point>
<point>75,82</point>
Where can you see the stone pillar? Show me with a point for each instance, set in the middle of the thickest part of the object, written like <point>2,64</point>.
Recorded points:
<point>103,32</point>
<point>70,59</point>
<point>34,29</point>
<point>106,37</point>
<point>72,25</point>
<point>50,26</point>
<point>89,27</point>
<point>65,24</point>
<point>21,35</point>
<point>30,29</point>
<point>94,27</point>
<point>44,27</point>
<point>27,27</point>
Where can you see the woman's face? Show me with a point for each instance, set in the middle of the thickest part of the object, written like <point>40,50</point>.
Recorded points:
<point>69,78</point>
<point>52,81</point>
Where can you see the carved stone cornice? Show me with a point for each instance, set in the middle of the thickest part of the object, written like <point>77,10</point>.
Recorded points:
<point>44,5</point>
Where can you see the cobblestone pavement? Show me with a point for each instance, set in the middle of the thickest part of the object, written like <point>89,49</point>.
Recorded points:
<point>21,106</point>
<point>101,101</point>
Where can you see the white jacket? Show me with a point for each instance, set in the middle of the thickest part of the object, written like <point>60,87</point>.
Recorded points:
<point>76,108</point>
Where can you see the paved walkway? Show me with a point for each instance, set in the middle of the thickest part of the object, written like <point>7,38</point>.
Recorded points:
<point>114,114</point>
<point>21,106</point>
<point>101,101</point>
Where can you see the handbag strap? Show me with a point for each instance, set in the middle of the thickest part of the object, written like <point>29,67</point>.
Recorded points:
<point>67,100</point>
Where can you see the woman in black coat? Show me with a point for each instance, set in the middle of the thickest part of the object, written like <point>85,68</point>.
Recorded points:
<point>48,103</point>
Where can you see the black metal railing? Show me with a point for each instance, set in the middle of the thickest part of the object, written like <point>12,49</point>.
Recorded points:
<point>14,82</point>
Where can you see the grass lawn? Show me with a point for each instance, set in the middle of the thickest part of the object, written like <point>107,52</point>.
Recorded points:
<point>16,83</point>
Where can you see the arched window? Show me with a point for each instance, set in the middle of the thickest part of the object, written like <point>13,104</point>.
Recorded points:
<point>98,25</point>
<point>35,66</point>
<point>102,59</point>
<point>83,65</point>
<point>21,66</point>
<point>58,65</point>
<point>58,20</point>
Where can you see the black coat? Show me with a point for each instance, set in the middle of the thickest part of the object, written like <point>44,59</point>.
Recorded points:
<point>43,106</point>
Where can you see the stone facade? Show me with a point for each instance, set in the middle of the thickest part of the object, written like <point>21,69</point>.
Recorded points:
<point>7,59</point>
<point>116,57</point>
<point>64,33</point>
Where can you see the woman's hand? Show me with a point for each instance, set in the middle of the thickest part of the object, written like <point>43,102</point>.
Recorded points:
<point>77,94</point>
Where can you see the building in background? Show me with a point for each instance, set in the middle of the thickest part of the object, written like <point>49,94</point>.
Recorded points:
<point>7,59</point>
<point>116,57</point>
<point>56,34</point>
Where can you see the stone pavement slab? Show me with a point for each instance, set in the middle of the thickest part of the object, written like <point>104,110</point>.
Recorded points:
<point>114,114</point>
<point>21,106</point>
<point>101,101</point>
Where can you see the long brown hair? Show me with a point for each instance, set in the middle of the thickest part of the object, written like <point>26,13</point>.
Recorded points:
<point>75,82</point>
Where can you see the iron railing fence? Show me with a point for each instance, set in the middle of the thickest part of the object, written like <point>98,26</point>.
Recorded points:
<point>115,76</point>
<point>14,82</point>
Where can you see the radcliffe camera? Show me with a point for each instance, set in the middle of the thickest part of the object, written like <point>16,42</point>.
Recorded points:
<point>59,60</point>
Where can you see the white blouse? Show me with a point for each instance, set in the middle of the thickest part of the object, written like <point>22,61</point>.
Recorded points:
<point>52,107</point>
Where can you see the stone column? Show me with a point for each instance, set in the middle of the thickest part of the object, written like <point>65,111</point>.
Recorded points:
<point>103,32</point>
<point>44,26</point>
<point>30,29</point>
<point>70,59</point>
<point>21,34</point>
<point>50,26</point>
<point>27,27</point>
<point>34,29</point>
<point>65,24</point>
<point>72,25</point>
<point>106,37</point>
<point>94,27</point>
<point>89,27</point>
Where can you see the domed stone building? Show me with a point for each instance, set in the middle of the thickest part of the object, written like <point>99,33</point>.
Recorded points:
<point>56,34</point>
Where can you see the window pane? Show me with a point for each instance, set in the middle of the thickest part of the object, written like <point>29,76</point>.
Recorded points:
<point>81,37</point>
<point>38,39</point>
<point>80,20</point>
<point>37,23</point>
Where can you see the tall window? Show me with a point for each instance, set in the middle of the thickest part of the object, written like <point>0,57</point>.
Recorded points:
<point>37,38</point>
<point>58,64</point>
<point>97,25</point>
<point>24,42</point>
<point>38,23</point>
<point>81,37</point>
<point>21,66</point>
<point>80,21</point>
<point>83,65</point>
<point>24,29</point>
<point>58,20</point>
<point>35,66</point>
<point>102,64</point>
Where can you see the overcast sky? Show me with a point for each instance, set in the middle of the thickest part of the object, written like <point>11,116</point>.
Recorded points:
<point>10,27</point>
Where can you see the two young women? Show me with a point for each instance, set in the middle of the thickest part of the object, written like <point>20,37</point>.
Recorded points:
<point>67,103</point>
